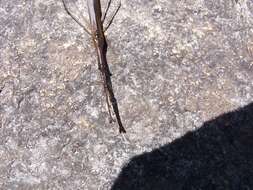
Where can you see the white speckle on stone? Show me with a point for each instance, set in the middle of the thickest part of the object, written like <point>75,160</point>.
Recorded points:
<point>21,177</point>
<point>92,111</point>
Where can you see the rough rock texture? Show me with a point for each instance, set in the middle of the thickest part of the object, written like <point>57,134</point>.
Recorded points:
<point>175,65</point>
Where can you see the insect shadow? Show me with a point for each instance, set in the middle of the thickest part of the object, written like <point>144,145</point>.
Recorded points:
<point>219,155</point>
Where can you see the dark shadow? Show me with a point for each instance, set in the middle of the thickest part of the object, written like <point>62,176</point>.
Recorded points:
<point>219,155</point>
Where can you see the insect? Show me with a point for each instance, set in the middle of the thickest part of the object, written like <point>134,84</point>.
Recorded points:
<point>97,29</point>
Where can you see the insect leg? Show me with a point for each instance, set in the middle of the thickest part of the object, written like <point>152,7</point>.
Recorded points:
<point>85,20</point>
<point>103,78</point>
<point>113,16</point>
<point>75,19</point>
<point>106,10</point>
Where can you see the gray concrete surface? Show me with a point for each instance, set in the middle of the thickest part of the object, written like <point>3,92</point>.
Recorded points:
<point>175,65</point>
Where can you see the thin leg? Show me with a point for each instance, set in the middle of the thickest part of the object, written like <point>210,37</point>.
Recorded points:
<point>104,83</point>
<point>107,99</point>
<point>115,13</point>
<point>75,19</point>
<point>85,20</point>
<point>106,10</point>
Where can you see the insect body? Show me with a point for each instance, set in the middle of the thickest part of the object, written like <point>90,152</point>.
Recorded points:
<point>100,44</point>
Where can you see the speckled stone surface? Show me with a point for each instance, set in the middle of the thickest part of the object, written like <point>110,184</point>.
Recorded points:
<point>175,66</point>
